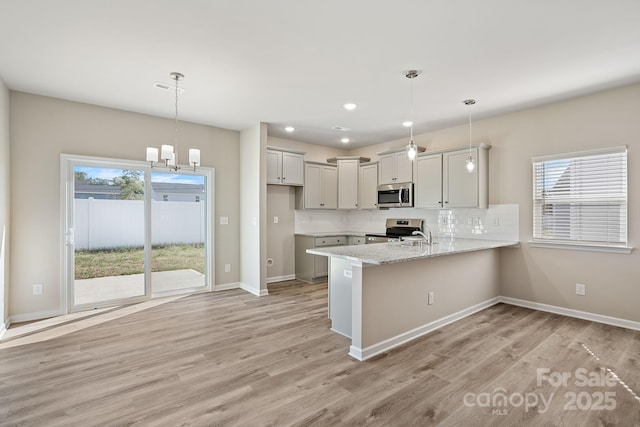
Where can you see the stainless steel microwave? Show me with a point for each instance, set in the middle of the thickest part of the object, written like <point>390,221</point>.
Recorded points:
<point>395,195</point>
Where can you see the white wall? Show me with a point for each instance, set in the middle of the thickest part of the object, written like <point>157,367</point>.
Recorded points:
<point>444,223</point>
<point>253,178</point>
<point>41,129</point>
<point>4,204</point>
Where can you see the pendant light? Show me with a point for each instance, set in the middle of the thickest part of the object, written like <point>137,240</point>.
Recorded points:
<point>412,149</point>
<point>167,153</point>
<point>470,164</point>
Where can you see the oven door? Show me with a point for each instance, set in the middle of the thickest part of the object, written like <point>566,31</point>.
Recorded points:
<point>395,195</point>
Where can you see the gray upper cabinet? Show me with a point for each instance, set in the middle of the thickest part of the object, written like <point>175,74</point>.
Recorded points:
<point>442,180</point>
<point>395,168</point>
<point>368,186</point>
<point>285,167</point>
<point>428,188</point>
<point>348,184</point>
<point>320,186</point>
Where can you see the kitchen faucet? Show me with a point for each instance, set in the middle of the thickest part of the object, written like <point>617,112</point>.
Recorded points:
<point>428,238</point>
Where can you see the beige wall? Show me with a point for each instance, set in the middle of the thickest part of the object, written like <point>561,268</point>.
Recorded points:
<point>42,128</point>
<point>4,204</point>
<point>280,236</point>
<point>281,203</point>
<point>549,276</point>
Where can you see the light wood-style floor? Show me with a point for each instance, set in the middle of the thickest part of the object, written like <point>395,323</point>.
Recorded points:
<point>232,359</point>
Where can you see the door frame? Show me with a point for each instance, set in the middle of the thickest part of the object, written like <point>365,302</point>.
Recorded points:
<point>67,189</point>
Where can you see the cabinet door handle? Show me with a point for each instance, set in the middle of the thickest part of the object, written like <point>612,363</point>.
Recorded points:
<point>283,178</point>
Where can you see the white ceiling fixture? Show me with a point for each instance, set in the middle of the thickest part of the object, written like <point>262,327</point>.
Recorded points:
<point>412,149</point>
<point>470,165</point>
<point>349,106</point>
<point>407,123</point>
<point>280,63</point>
<point>345,140</point>
<point>289,129</point>
<point>169,153</point>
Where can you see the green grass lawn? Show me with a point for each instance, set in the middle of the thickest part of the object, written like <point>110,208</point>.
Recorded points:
<point>123,261</point>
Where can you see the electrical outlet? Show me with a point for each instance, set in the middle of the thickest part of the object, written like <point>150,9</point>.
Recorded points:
<point>581,289</point>
<point>227,268</point>
<point>431,298</point>
<point>275,219</point>
<point>38,288</point>
<point>495,221</point>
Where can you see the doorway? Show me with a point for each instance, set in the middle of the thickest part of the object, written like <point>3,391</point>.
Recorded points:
<point>132,233</point>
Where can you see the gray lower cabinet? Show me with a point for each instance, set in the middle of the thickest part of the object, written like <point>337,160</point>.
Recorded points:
<point>314,268</point>
<point>356,240</point>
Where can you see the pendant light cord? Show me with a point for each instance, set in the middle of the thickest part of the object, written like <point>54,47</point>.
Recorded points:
<point>411,105</point>
<point>177,77</point>
<point>470,129</point>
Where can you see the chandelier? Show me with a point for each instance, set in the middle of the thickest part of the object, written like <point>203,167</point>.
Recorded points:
<point>169,153</point>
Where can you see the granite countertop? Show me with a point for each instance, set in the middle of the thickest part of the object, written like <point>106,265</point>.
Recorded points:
<point>389,253</point>
<point>333,234</point>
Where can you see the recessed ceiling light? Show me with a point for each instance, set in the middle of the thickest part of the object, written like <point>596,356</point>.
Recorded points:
<point>167,87</point>
<point>345,140</point>
<point>289,128</point>
<point>349,106</point>
<point>407,124</point>
<point>341,128</point>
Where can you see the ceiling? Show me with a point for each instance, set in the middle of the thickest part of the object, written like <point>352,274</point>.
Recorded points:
<point>295,62</point>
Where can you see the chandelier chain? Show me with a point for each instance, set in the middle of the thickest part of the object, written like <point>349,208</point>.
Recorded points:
<point>177,77</point>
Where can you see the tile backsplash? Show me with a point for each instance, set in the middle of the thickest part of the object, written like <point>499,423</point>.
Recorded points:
<point>498,222</point>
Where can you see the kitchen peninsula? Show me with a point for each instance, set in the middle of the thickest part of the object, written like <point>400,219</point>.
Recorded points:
<point>383,295</point>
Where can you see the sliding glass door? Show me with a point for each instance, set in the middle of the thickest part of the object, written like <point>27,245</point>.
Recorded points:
<point>178,232</point>
<point>132,233</point>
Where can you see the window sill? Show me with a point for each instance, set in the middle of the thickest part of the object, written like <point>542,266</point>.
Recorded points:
<point>580,247</point>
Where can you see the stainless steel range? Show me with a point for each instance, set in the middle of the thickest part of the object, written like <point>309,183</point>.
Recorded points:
<point>397,229</point>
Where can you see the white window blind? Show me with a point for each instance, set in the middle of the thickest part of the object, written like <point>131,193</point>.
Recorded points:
<point>581,198</point>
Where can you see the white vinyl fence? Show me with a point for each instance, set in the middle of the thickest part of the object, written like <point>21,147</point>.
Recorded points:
<point>106,224</point>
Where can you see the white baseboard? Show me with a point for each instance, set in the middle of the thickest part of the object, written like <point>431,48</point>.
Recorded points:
<point>388,344</point>
<point>614,321</point>
<point>226,286</point>
<point>28,317</point>
<point>281,278</point>
<point>254,291</point>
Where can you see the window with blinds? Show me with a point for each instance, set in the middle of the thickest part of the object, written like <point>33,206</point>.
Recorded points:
<point>581,198</point>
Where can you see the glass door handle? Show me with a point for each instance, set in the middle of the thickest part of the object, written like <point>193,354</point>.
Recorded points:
<point>70,237</point>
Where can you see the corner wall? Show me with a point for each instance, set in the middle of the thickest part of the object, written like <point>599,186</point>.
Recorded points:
<point>253,212</point>
<point>5,157</point>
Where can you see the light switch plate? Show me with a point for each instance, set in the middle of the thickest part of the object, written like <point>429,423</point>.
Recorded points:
<point>224,220</point>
